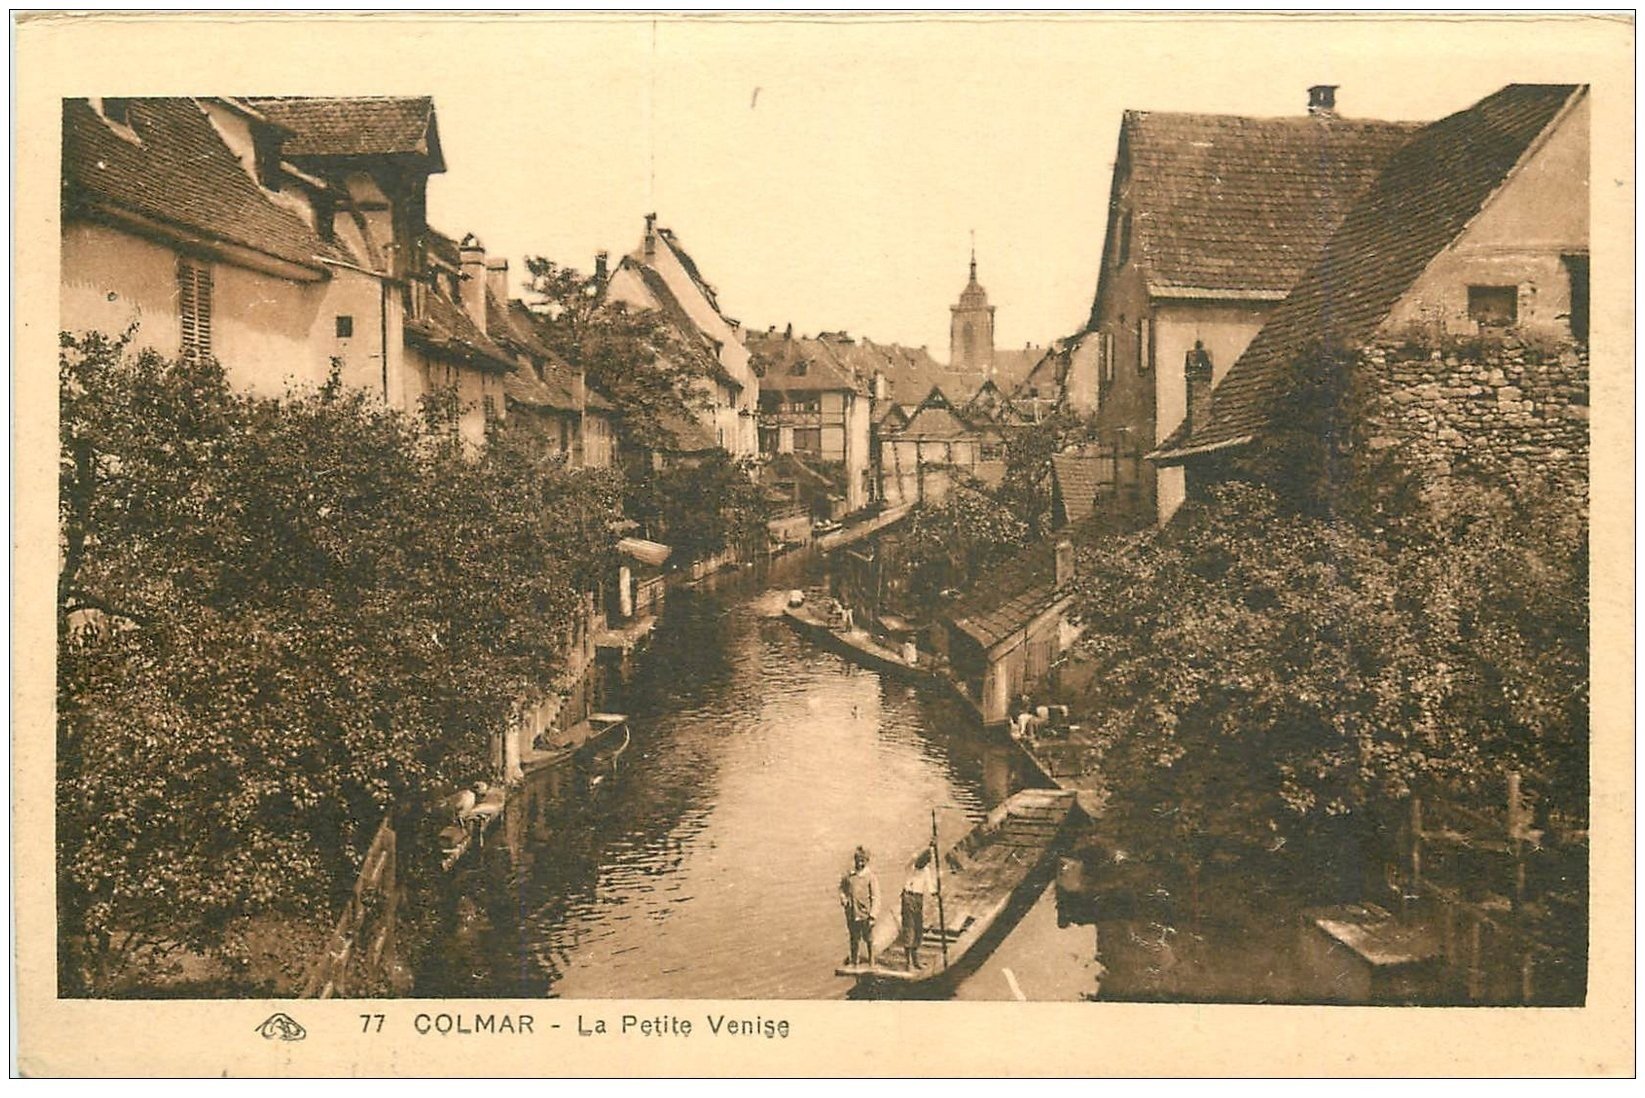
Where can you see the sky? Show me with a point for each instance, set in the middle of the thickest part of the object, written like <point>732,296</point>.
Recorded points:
<point>830,174</point>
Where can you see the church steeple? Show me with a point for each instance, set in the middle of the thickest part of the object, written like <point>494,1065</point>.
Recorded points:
<point>971,326</point>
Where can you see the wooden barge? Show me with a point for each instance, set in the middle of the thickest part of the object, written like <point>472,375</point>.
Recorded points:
<point>994,868</point>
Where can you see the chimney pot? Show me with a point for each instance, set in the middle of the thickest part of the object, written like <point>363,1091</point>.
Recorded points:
<point>1197,372</point>
<point>1322,99</point>
<point>497,280</point>
<point>471,256</point>
<point>1065,563</point>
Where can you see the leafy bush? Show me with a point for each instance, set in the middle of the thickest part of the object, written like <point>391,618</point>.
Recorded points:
<point>278,621</point>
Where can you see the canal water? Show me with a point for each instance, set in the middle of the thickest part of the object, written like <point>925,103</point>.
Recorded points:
<point>707,867</point>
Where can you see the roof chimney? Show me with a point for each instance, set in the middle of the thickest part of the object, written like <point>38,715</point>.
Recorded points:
<point>650,235</point>
<point>1196,370</point>
<point>471,255</point>
<point>601,260</point>
<point>497,281</point>
<point>1322,100</point>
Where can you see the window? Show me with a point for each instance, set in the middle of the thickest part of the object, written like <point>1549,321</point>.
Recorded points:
<point>1122,245</point>
<point>194,308</point>
<point>117,111</point>
<point>1105,352</point>
<point>1577,267</point>
<point>266,151</point>
<point>808,440</point>
<point>1493,306</point>
<point>800,368</point>
<point>325,217</point>
<point>345,327</point>
<point>1145,345</point>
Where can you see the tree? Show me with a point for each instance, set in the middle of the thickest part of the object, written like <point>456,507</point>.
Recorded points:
<point>1275,681</point>
<point>278,622</point>
<point>701,507</point>
<point>1026,488</point>
<point>948,544</point>
<point>653,376</point>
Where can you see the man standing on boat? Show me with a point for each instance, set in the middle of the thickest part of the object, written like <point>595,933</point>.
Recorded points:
<point>860,897</point>
<point>921,883</point>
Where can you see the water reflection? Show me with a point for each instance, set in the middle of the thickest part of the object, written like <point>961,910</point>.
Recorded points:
<point>707,867</point>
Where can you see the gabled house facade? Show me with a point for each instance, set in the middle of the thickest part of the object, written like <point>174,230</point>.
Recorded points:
<point>278,236</point>
<point>1456,289</point>
<point>814,405</point>
<point>660,275</point>
<point>573,420</point>
<point>922,458</point>
<point>187,219</point>
<point>378,154</point>
<point>1212,219</point>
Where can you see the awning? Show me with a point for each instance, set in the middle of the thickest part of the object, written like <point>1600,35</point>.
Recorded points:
<point>646,552</point>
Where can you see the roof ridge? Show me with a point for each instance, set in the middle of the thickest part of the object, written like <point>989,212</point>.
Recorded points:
<point>1384,244</point>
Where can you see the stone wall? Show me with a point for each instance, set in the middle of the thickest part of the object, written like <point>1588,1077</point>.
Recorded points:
<point>1499,407</point>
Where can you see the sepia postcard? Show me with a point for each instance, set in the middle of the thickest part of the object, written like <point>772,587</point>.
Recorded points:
<point>870,544</point>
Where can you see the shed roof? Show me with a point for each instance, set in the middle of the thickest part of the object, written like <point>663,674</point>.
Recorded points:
<point>1076,477</point>
<point>1241,206</point>
<point>1012,595</point>
<point>443,327</point>
<point>1427,194</point>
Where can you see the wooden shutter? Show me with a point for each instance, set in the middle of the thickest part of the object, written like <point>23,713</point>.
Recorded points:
<point>194,309</point>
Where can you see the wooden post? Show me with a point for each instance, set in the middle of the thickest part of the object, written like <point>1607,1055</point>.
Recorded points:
<point>1416,844</point>
<point>1516,843</point>
<point>936,864</point>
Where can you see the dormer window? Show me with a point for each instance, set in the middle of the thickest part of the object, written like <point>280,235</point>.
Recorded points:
<point>325,216</point>
<point>116,115</point>
<point>266,145</point>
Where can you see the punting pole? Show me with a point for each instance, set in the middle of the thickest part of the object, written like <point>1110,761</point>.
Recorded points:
<point>936,863</point>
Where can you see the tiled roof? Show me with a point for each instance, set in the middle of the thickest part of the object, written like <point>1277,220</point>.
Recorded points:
<point>1076,478</point>
<point>935,419</point>
<point>446,329</point>
<point>1426,195</point>
<point>1012,595</point>
<point>1011,367</point>
<point>180,173</point>
<point>511,324</point>
<point>523,386</point>
<point>786,364</point>
<point>690,266</point>
<point>357,126</point>
<point>696,342</point>
<point>1243,205</point>
<point>690,436</point>
<point>1048,374</point>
